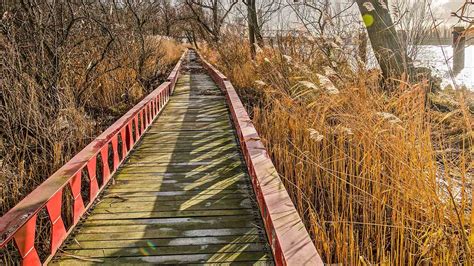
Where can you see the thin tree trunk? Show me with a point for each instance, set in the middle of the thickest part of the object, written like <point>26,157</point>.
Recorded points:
<point>194,40</point>
<point>251,25</point>
<point>252,9</point>
<point>392,58</point>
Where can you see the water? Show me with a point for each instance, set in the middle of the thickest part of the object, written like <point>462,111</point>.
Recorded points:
<point>432,56</point>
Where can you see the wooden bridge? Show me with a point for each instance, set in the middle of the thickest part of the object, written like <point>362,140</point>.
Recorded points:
<point>182,178</point>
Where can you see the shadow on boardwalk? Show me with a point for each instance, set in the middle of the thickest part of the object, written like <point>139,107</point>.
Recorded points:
<point>183,196</point>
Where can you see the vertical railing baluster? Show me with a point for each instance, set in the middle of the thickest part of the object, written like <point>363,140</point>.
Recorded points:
<point>145,114</point>
<point>92,173</point>
<point>75,185</point>
<point>150,113</point>
<point>142,123</point>
<point>129,135</point>
<point>124,144</point>
<point>115,151</point>
<point>58,229</point>
<point>137,133</point>
<point>104,153</point>
<point>25,242</point>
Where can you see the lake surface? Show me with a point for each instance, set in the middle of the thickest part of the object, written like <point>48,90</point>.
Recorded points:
<point>439,59</point>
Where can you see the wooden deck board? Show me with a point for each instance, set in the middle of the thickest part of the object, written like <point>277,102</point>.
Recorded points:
<point>183,196</point>
<point>244,258</point>
<point>183,241</point>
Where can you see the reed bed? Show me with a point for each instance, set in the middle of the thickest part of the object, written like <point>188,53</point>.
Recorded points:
<point>378,178</point>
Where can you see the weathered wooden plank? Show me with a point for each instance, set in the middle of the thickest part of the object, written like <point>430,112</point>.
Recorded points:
<point>168,214</point>
<point>104,230</point>
<point>210,188</point>
<point>191,181</point>
<point>171,206</point>
<point>246,258</point>
<point>209,163</point>
<point>187,134</point>
<point>187,118</point>
<point>164,198</point>
<point>178,176</point>
<point>184,157</point>
<point>184,241</point>
<point>196,111</point>
<point>188,221</point>
<point>231,164</point>
<point>191,127</point>
<point>167,233</point>
<point>168,250</point>
<point>207,192</point>
<point>185,139</point>
<point>189,150</point>
<point>188,144</point>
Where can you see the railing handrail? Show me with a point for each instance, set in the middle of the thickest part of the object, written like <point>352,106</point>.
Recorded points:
<point>287,235</point>
<point>38,198</point>
<point>148,108</point>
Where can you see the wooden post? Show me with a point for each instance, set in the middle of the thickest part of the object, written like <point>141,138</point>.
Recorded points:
<point>459,43</point>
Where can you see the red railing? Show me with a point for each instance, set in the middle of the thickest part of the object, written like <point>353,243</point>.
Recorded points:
<point>114,144</point>
<point>287,235</point>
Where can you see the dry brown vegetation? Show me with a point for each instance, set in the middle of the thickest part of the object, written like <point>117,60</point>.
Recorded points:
<point>378,178</point>
<point>68,70</point>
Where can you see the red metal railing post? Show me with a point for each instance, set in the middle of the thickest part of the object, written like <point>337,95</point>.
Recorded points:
<point>129,135</point>
<point>142,122</point>
<point>150,113</point>
<point>104,153</point>
<point>58,229</point>
<point>25,242</point>
<point>124,144</point>
<point>137,132</point>
<point>75,185</point>
<point>115,151</point>
<point>92,174</point>
<point>145,114</point>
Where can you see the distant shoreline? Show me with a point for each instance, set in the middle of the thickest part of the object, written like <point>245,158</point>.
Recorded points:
<point>444,41</point>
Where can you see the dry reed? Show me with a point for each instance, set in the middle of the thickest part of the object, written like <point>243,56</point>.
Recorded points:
<point>377,178</point>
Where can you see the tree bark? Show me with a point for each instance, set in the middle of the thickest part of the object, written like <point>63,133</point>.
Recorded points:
<point>254,20</point>
<point>393,59</point>
<point>255,36</point>
<point>253,51</point>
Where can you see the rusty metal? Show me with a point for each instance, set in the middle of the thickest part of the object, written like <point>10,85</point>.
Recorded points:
<point>287,235</point>
<point>19,224</point>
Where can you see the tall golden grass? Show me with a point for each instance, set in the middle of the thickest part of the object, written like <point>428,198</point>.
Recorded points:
<point>378,178</point>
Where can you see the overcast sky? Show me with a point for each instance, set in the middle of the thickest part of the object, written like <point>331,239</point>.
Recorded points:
<point>442,10</point>
<point>445,7</point>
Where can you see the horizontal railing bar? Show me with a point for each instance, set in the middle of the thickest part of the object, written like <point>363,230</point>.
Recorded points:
<point>38,198</point>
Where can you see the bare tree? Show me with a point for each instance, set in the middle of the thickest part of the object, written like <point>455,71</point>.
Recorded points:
<point>464,13</point>
<point>168,15</point>
<point>413,22</point>
<point>210,14</point>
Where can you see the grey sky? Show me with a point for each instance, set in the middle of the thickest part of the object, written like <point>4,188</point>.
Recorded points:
<point>441,8</point>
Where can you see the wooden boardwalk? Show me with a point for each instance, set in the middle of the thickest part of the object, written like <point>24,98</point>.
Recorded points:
<point>183,196</point>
